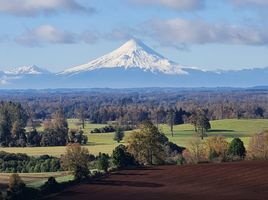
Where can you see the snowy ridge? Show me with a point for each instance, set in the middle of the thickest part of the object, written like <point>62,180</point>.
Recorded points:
<point>24,70</point>
<point>133,53</point>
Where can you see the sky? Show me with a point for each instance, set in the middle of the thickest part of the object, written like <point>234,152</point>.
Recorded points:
<point>209,34</point>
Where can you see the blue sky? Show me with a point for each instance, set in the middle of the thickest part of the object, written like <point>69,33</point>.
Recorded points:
<point>210,34</point>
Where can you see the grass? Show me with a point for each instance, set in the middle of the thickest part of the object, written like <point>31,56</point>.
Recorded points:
<point>37,179</point>
<point>103,142</point>
<point>229,128</point>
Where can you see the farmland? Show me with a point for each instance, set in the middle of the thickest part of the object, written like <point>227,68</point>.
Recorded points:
<point>103,142</point>
<point>242,180</point>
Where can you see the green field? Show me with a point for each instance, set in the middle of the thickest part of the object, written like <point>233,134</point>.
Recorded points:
<point>103,142</point>
<point>229,128</point>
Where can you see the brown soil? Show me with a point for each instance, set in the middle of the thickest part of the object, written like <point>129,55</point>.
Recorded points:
<point>2,186</point>
<point>227,181</point>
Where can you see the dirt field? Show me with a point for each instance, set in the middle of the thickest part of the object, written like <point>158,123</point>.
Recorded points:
<point>228,181</point>
<point>2,186</point>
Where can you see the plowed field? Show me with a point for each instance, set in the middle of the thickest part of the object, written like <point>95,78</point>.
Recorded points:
<point>227,181</point>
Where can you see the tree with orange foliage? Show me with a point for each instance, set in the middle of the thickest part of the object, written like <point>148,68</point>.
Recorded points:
<point>216,148</point>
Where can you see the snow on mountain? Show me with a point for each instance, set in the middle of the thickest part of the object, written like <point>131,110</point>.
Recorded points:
<point>133,65</point>
<point>132,54</point>
<point>26,70</point>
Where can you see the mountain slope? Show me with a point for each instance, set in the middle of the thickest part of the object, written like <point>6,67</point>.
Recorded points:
<point>133,54</point>
<point>130,66</point>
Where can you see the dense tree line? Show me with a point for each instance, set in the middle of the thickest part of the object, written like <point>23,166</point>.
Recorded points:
<point>13,121</point>
<point>135,106</point>
<point>22,163</point>
<point>112,128</point>
<point>126,107</point>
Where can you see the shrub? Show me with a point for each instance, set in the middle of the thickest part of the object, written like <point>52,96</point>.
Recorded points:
<point>174,148</point>
<point>122,158</point>
<point>216,148</point>
<point>173,152</point>
<point>237,148</point>
<point>180,160</point>
<point>196,150</point>
<point>77,136</point>
<point>105,129</point>
<point>213,155</point>
<point>21,163</point>
<point>188,157</point>
<point>50,186</point>
<point>103,162</point>
<point>16,187</point>
<point>119,135</point>
<point>258,146</point>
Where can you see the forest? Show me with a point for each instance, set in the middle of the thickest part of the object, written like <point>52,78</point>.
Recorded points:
<point>23,113</point>
<point>135,105</point>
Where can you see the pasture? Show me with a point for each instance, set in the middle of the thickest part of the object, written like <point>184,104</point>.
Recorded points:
<point>103,142</point>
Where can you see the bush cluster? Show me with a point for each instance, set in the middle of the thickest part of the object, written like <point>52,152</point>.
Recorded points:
<point>214,149</point>
<point>110,129</point>
<point>21,163</point>
<point>105,129</point>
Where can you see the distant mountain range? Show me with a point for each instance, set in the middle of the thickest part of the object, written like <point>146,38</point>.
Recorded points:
<point>132,65</point>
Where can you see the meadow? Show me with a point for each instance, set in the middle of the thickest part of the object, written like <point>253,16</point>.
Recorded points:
<point>103,142</point>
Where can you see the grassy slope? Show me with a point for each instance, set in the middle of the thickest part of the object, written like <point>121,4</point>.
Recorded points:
<point>182,134</point>
<point>228,128</point>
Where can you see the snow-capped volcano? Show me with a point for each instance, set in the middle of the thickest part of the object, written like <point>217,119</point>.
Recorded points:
<point>133,65</point>
<point>132,54</point>
<point>26,70</point>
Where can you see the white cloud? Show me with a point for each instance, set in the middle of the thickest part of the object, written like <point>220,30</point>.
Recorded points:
<point>46,34</point>
<point>182,31</point>
<point>34,7</point>
<point>173,4</point>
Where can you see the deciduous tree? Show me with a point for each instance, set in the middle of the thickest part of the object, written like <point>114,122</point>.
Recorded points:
<point>147,144</point>
<point>119,134</point>
<point>258,146</point>
<point>216,148</point>
<point>76,159</point>
<point>121,157</point>
<point>103,162</point>
<point>171,120</point>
